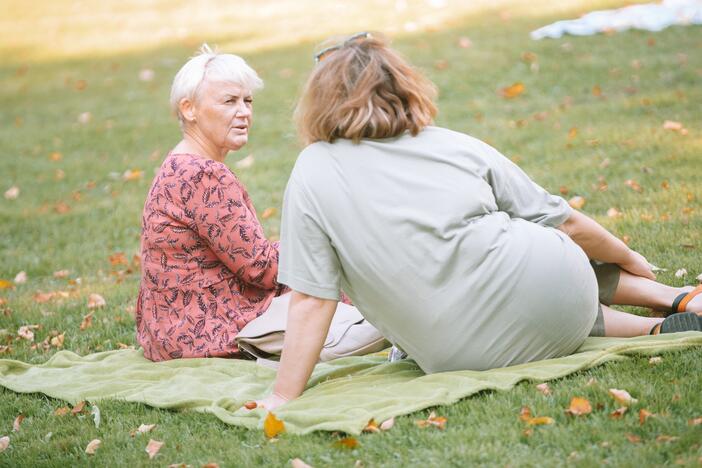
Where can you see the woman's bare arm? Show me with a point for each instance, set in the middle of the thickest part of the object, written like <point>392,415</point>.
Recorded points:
<point>600,244</point>
<point>309,318</point>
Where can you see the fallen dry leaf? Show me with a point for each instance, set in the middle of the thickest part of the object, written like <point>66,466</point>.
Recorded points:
<point>372,426</point>
<point>297,463</point>
<point>61,274</point>
<point>93,446</point>
<point>4,443</point>
<point>633,185</point>
<point>87,321</point>
<point>680,273</point>
<point>26,332</point>
<point>512,91</point>
<point>387,424</point>
<point>673,126</point>
<point>12,193</point>
<point>131,175</point>
<point>95,301</point>
<point>118,258</point>
<point>63,411</point>
<point>432,421</point>
<point>579,407</point>
<point>21,277</point>
<point>85,117</point>
<point>347,442</point>
<point>17,422</point>
<point>577,202</point>
<point>41,297</point>
<point>633,438</point>
<point>618,413</point>
<point>666,438</point>
<point>78,408</point>
<point>597,91</point>
<point>544,388</point>
<point>153,447</point>
<point>4,284</point>
<point>146,74</point>
<point>210,465</point>
<point>622,397</point>
<point>695,421</point>
<point>273,426</point>
<point>464,42</point>
<point>540,421</point>
<point>143,429</point>
<point>57,341</point>
<point>55,156</point>
<point>268,212</point>
<point>572,133</point>
<point>655,360</point>
<point>245,163</point>
<point>614,213</point>
<point>644,415</point>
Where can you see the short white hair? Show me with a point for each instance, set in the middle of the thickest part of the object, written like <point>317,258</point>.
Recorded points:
<point>211,65</point>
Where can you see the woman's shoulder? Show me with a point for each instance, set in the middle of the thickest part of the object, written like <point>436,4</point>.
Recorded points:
<point>193,163</point>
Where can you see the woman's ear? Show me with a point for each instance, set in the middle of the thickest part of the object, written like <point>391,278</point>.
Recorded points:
<point>187,110</point>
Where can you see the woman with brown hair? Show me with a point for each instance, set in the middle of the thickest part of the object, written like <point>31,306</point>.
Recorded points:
<point>445,245</point>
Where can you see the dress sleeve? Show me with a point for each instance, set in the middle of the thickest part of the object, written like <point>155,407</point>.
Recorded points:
<point>308,261</point>
<point>224,219</point>
<point>520,197</point>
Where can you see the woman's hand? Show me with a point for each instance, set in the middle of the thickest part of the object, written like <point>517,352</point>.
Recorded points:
<point>636,264</point>
<point>271,402</point>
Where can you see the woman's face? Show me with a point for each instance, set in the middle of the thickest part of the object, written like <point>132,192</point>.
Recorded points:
<point>223,113</point>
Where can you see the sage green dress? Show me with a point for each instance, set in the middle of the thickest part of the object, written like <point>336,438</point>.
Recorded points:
<point>443,244</point>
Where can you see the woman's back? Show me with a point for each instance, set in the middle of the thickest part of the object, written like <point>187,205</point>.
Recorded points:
<point>423,233</point>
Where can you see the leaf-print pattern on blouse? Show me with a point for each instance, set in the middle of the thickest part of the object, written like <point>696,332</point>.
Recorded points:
<point>207,268</point>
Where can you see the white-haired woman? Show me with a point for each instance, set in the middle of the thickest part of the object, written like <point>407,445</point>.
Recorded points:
<point>207,267</point>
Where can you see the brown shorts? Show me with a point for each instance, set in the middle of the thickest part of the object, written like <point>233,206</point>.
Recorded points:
<point>607,275</point>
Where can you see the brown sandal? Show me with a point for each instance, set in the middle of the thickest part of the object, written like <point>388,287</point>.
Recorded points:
<point>680,302</point>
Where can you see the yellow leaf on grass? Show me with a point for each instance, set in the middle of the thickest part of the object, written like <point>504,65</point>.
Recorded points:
<point>143,429</point>
<point>268,212</point>
<point>579,407</point>
<point>118,258</point>
<point>633,185</point>
<point>132,175</point>
<point>634,439</point>
<point>577,202</point>
<point>372,426</point>
<point>544,388</point>
<point>92,446</point>
<point>622,397</point>
<point>17,422</point>
<point>4,284</point>
<point>153,447</point>
<point>695,421</point>
<point>433,420</point>
<point>347,442</point>
<point>618,413</point>
<point>63,411</point>
<point>513,91</point>
<point>273,426</point>
<point>572,133</point>
<point>61,274</point>
<point>540,421</point>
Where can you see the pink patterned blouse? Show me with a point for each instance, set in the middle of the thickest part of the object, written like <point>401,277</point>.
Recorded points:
<point>207,269</point>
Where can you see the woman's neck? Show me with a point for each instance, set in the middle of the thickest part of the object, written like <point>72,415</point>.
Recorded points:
<point>194,143</point>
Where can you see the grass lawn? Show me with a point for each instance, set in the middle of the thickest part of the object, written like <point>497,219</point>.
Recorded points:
<point>84,123</point>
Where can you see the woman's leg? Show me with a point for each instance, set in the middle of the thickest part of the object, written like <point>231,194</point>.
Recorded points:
<point>643,292</point>
<point>623,324</point>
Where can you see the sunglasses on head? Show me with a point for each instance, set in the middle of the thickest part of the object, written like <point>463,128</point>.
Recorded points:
<point>324,53</point>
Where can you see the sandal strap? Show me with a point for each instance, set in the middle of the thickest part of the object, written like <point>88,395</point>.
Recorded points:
<point>674,309</point>
<point>688,297</point>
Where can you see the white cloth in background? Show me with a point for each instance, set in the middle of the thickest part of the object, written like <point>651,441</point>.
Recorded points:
<point>649,17</point>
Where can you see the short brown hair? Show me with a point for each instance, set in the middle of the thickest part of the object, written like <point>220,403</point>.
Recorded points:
<point>364,90</point>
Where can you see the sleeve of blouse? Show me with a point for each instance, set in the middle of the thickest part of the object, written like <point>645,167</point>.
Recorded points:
<point>520,197</point>
<point>308,261</point>
<point>224,220</point>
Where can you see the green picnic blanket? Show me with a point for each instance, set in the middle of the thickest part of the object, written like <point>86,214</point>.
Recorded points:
<point>343,395</point>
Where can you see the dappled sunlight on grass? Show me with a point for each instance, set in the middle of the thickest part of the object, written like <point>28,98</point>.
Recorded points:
<point>45,31</point>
